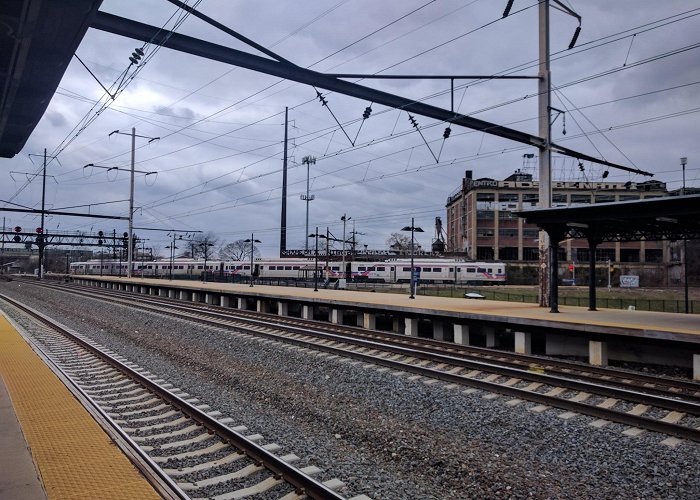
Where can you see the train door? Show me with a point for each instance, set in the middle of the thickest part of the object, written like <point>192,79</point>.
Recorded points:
<point>348,271</point>
<point>221,269</point>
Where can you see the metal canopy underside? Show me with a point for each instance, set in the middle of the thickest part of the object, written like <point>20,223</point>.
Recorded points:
<point>37,41</point>
<point>673,218</point>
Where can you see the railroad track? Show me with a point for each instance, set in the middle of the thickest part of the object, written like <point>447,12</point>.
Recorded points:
<point>639,401</point>
<point>183,447</point>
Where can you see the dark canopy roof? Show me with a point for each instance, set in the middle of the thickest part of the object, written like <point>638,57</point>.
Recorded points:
<point>674,218</point>
<point>37,40</point>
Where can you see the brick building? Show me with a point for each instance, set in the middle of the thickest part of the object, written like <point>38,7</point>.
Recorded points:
<point>482,225</point>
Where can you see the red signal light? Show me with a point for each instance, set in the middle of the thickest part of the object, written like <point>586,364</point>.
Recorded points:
<point>39,230</point>
<point>18,229</point>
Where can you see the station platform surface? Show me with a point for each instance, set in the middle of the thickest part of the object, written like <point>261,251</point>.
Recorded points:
<point>51,446</point>
<point>670,326</point>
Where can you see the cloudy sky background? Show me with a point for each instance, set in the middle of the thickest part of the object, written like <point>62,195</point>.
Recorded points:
<point>219,159</point>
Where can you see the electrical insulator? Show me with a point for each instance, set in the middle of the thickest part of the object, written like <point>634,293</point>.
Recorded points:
<point>446,133</point>
<point>136,56</point>
<point>581,167</point>
<point>368,111</point>
<point>605,174</point>
<point>413,121</point>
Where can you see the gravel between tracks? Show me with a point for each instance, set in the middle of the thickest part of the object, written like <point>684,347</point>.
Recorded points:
<point>382,434</point>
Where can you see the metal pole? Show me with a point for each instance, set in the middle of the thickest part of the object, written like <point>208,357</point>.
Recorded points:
<point>609,283</point>
<point>342,269</point>
<point>412,296</point>
<point>306,240</point>
<point>316,263</point>
<point>252,247</point>
<point>684,160</point>
<point>283,225</point>
<point>130,252</point>
<point>41,236</point>
<point>545,153</point>
<point>2,249</point>
<point>143,258</point>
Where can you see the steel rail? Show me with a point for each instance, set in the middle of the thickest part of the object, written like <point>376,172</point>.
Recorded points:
<point>290,474</point>
<point>514,359</point>
<point>569,405</point>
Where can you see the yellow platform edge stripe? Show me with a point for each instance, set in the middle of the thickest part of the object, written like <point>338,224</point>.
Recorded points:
<point>73,454</point>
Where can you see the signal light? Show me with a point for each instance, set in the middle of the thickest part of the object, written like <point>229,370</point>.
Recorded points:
<point>17,238</point>
<point>39,230</point>
<point>100,234</point>
<point>18,229</point>
<point>126,235</point>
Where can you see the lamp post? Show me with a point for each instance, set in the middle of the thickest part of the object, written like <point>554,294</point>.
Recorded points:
<point>67,268</point>
<point>684,161</point>
<point>317,236</point>
<point>252,242</point>
<point>342,269</point>
<point>413,230</point>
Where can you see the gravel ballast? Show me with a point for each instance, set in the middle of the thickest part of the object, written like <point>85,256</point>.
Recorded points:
<point>382,434</point>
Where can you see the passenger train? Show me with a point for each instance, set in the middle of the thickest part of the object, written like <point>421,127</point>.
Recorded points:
<point>387,271</point>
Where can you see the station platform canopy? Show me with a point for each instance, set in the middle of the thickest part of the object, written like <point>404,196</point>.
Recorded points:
<point>37,41</point>
<point>667,218</point>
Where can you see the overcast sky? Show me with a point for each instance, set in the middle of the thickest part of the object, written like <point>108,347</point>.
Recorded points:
<point>631,88</point>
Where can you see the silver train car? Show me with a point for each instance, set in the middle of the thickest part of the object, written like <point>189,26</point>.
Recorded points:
<point>387,271</point>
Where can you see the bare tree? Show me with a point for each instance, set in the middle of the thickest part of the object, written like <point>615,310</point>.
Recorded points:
<point>200,242</point>
<point>238,250</point>
<point>399,242</point>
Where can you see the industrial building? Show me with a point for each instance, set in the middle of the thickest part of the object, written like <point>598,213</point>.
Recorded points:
<point>482,225</point>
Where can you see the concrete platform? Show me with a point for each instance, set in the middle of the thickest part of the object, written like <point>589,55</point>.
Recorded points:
<point>670,326</point>
<point>51,445</point>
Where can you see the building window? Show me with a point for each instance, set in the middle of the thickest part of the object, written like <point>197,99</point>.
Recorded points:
<point>629,255</point>
<point>653,255</point>
<point>582,254</point>
<point>484,232</point>
<point>628,197</point>
<point>559,198</point>
<point>506,215</point>
<point>531,234</point>
<point>508,197</point>
<point>580,198</point>
<point>484,214</point>
<point>485,196</point>
<point>605,254</point>
<point>531,253</point>
<point>508,233</point>
<point>531,198</point>
<point>604,198</point>
<point>508,253</point>
<point>484,253</point>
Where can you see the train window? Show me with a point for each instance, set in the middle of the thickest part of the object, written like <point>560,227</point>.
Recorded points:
<point>287,268</point>
<point>200,267</point>
<point>246,267</point>
<point>471,269</point>
<point>392,268</point>
<point>381,268</point>
<point>295,268</point>
<point>481,270</point>
<point>407,269</point>
<point>335,268</point>
<point>490,270</point>
<point>371,269</point>
<point>361,268</point>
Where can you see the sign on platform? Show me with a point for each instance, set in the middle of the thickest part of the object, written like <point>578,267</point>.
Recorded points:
<point>629,281</point>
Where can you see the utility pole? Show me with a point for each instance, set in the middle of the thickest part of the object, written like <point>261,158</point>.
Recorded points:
<point>308,160</point>
<point>684,161</point>
<point>283,224</point>
<point>131,192</point>
<point>342,269</point>
<point>545,154</point>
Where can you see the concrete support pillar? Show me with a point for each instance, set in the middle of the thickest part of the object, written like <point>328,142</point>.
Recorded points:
<point>461,334</point>
<point>171,294</point>
<point>144,290</point>
<point>162,292</point>
<point>225,301</point>
<point>598,353</point>
<point>242,303</point>
<point>208,298</point>
<point>263,306</point>
<point>523,342</point>
<point>307,312</point>
<point>696,366</point>
<point>411,327</point>
<point>490,333</point>
<point>195,296</point>
<point>369,321</point>
<point>184,295</point>
<point>282,309</point>
<point>396,325</point>
<point>438,330</point>
<point>153,290</point>
<point>337,316</point>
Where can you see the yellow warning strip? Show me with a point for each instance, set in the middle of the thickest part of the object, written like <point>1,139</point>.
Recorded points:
<point>74,456</point>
